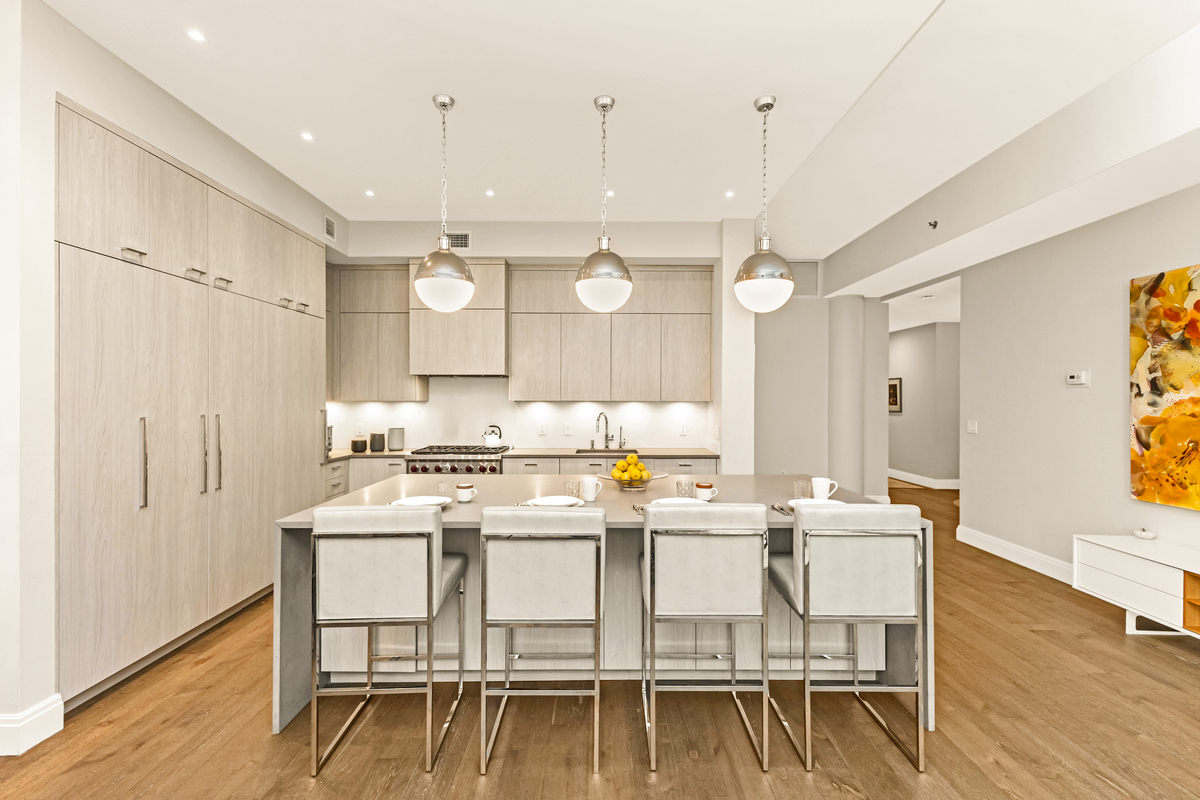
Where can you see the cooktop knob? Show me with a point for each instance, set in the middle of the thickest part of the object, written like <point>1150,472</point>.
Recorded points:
<point>453,468</point>
<point>491,469</point>
<point>469,468</point>
<point>438,468</point>
<point>424,468</point>
<point>413,468</point>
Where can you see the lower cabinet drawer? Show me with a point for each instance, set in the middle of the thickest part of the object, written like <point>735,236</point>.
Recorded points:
<point>336,469</point>
<point>1131,595</point>
<point>336,486</point>
<point>1139,570</point>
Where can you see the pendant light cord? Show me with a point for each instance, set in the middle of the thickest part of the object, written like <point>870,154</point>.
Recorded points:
<point>603,172</point>
<point>764,223</point>
<point>444,171</point>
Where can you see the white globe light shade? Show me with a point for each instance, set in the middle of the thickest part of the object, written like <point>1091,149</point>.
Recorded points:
<point>444,281</point>
<point>603,283</point>
<point>764,281</point>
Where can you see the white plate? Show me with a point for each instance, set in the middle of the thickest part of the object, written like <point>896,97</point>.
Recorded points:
<point>560,500</point>
<point>421,500</point>
<point>811,502</point>
<point>677,501</point>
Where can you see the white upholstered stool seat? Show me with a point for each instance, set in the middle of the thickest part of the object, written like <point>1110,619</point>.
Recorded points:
<point>382,566</point>
<point>857,564</point>
<point>539,568</point>
<point>704,563</point>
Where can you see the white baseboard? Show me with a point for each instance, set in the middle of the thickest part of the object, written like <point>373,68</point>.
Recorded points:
<point>1038,562</point>
<point>20,732</point>
<point>921,480</point>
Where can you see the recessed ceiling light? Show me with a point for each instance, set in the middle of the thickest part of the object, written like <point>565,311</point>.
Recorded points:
<point>196,35</point>
<point>490,193</point>
<point>306,136</point>
<point>610,192</point>
<point>370,193</point>
<point>729,194</point>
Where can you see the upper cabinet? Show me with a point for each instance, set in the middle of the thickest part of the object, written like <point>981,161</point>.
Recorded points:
<point>471,341</point>
<point>119,199</point>
<point>658,346</point>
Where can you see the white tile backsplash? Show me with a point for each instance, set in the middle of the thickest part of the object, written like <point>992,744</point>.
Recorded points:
<point>459,409</point>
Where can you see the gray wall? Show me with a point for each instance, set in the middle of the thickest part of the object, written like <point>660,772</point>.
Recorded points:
<point>791,403</point>
<point>1050,461</point>
<point>923,437</point>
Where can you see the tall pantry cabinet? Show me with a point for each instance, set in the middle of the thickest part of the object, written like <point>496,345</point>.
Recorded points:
<point>190,397</point>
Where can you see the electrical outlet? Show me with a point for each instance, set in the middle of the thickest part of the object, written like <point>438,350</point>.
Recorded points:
<point>542,429</point>
<point>683,430</point>
<point>567,429</point>
<point>358,429</point>
<point>972,426</point>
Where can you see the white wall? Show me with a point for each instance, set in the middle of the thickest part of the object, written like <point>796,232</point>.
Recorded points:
<point>459,409</point>
<point>1050,461</point>
<point>923,437</point>
<point>56,58</point>
<point>733,338</point>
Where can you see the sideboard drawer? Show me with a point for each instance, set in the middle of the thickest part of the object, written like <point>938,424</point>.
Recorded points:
<point>1160,577</point>
<point>1131,595</point>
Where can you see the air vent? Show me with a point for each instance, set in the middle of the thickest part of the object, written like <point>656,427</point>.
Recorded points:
<point>330,229</point>
<point>807,276</point>
<point>460,241</point>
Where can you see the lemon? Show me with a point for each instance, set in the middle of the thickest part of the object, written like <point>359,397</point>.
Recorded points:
<point>616,474</point>
<point>632,458</point>
<point>622,466</point>
<point>625,476</point>
<point>646,474</point>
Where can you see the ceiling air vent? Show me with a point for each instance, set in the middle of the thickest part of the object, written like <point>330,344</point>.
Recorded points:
<point>460,241</point>
<point>330,229</point>
<point>806,274</point>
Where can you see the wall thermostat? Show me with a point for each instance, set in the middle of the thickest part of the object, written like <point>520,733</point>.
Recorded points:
<point>1079,377</point>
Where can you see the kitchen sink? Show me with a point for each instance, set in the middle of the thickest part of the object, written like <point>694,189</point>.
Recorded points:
<point>612,451</point>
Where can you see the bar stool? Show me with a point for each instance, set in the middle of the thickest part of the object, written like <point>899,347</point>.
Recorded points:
<point>539,568</point>
<point>857,565</point>
<point>382,566</point>
<point>704,564</point>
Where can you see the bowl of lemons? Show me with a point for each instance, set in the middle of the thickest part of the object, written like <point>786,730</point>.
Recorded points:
<point>632,474</point>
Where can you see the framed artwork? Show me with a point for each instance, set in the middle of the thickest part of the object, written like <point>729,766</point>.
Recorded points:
<point>894,395</point>
<point>1164,388</point>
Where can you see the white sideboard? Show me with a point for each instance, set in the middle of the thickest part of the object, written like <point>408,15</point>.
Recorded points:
<point>1147,577</point>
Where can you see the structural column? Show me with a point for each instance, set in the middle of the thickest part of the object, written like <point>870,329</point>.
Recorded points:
<point>858,372</point>
<point>733,353</point>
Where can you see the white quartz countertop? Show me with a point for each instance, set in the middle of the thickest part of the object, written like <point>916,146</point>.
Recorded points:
<point>547,452</point>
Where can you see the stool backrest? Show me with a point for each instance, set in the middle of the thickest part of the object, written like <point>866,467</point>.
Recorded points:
<point>706,559</point>
<point>542,562</point>
<point>376,562</point>
<point>863,559</point>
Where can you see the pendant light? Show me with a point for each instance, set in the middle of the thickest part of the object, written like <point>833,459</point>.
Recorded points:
<point>603,283</point>
<point>444,281</point>
<point>764,281</point>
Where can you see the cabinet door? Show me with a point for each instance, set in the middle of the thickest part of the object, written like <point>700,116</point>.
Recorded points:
<point>467,342</point>
<point>669,290</point>
<point>358,357</point>
<point>686,357</point>
<point>587,357</point>
<point>274,272</point>
<point>396,381</point>
<point>230,236</point>
<point>636,358</point>
<point>332,330</point>
<point>379,290</point>
<point>367,471</point>
<point>306,269</point>
<point>531,466</point>
<point>491,286</point>
<point>585,466</point>
<point>178,222</point>
<point>103,186</point>
<point>236,543</point>
<point>688,466</point>
<point>535,358</point>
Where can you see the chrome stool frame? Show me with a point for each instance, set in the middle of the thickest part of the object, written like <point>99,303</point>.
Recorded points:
<point>916,755</point>
<point>651,686</point>
<point>486,741</point>
<point>371,688</point>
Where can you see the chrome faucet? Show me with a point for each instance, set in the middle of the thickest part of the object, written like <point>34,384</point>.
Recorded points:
<point>607,436</point>
<point>621,438</point>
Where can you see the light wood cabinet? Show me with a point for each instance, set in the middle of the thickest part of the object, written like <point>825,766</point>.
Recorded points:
<point>471,341</point>
<point>686,357</point>
<point>594,465</point>
<point>587,357</point>
<point>383,289</point>
<point>365,471</point>
<point>178,222</point>
<point>536,357</point>
<point>491,284</point>
<point>637,357</point>
<point>531,466</point>
<point>396,381</point>
<point>670,290</point>
<point>686,466</point>
<point>231,231</point>
<point>332,329</point>
<point>373,359</point>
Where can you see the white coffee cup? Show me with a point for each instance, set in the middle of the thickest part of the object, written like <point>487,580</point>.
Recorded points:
<point>590,489</point>
<point>823,488</point>
<point>466,492</point>
<point>705,492</point>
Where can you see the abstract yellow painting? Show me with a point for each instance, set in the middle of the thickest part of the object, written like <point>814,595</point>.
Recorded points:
<point>1164,387</point>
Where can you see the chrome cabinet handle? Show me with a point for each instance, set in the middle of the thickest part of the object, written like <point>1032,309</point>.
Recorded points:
<point>220,455</point>
<point>532,465</point>
<point>286,302</point>
<point>204,432</point>
<point>335,485</point>
<point>193,274</point>
<point>683,464</point>
<point>139,253</point>
<point>302,307</point>
<point>227,281</point>
<point>145,468</point>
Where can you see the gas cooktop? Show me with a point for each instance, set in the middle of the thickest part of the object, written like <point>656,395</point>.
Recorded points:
<point>460,450</point>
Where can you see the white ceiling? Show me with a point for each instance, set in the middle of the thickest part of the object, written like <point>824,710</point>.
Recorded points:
<point>859,139</point>
<point>937,302</point>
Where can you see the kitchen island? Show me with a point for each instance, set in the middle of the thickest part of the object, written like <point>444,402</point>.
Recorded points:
<point>343,651</point>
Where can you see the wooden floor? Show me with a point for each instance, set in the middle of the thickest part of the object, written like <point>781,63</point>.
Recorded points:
<point>1040,695</point>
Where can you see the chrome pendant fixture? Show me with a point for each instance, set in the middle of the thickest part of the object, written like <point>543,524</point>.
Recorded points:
<point>764,281</point>
<point>603,283</point>
<point>444,281</point>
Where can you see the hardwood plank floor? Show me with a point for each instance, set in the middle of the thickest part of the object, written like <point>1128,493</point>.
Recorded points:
<point>1040,695</point>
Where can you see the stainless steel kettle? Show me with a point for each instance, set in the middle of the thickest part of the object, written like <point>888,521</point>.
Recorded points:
<point>491,436</point>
